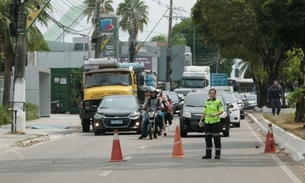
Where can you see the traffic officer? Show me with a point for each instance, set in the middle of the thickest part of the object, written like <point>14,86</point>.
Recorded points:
<point>212,110</point>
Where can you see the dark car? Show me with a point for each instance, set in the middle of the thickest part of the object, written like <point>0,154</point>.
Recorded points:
<point>122,112</point>
<point>176,101</point>
<point>192,110</point>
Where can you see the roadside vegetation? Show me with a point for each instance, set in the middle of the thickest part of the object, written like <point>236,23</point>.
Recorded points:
<point>6,116</point>
<point>286,122</point>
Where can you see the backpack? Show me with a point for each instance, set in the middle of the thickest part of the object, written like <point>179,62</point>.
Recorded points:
<point>158,101</point>
<point>275,92</point>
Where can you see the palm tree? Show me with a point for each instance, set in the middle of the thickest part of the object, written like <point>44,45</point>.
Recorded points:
<point>135,24</point>
<point>34,40</point>
<point>106,8</point>
<point>134,17</point>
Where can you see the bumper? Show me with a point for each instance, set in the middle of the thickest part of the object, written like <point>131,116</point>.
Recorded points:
<point>191,125</point>
<point>133,125</point>
<point>88,115</point>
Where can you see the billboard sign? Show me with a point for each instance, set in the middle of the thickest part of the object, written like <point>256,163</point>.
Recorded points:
<point>147,61</point>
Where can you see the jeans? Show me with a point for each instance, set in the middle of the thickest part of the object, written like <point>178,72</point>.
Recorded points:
<point>276,104</point>
<point>146,120</point>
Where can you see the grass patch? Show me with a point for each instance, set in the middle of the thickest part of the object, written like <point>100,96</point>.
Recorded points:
<point>286,122</point>
<point>32,112</point>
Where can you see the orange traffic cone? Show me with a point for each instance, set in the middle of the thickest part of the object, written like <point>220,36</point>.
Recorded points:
<point>178,149</point>
<point>270,143</point>
<point>116,155</point>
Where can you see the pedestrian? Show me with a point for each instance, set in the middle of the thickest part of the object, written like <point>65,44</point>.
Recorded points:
<point>275,97</point>
<point>212,110</point>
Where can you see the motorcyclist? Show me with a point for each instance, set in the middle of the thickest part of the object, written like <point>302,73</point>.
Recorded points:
<point>153,101</point>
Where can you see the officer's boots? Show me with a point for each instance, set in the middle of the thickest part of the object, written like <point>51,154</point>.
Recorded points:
<point>217,154</point>
<point>208,154</point>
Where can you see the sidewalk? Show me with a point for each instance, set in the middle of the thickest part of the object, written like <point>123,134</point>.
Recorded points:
<point>42,129</point>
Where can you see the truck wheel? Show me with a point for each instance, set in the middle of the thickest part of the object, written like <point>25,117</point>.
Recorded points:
<point>86,125</point>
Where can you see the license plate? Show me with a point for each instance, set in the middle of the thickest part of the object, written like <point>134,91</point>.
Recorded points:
<point>117,121</point>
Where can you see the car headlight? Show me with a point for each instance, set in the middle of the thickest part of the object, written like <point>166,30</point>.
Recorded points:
<point>223,115</point>
<point>186,114</point>
<point>135,115</point>
<point>98,116</point>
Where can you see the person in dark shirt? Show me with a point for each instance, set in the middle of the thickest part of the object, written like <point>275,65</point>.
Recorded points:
<point>275,96</point>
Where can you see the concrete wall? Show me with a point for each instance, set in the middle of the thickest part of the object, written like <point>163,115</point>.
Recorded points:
<point>38,88</point>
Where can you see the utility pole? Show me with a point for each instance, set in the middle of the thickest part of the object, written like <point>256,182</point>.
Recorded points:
<point>169,48</point>
<point>132,32</point>
<point>97,36</point>
<point>194,46</point>
<point>19,70</point>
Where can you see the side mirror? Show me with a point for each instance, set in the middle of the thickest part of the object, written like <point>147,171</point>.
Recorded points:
<point>141,80</point>
<point>229,105</point>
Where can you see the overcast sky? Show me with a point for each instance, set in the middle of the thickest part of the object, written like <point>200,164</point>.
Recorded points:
<point>157,13</point>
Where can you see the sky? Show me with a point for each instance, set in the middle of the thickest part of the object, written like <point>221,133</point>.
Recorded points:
<point>158,17</point>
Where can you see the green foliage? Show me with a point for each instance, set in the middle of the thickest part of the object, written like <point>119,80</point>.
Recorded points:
<point>32,111</point>
<point>5,116</point>
<point>76,82</point>
<point>159,38</point>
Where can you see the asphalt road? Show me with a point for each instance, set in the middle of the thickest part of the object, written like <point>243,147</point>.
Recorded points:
<point>84,158</point>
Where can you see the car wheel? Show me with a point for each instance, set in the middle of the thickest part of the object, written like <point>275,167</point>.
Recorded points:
<point>139,131</point>
<point>226,133</point>
<point>86,125</point>
<point>97,133</point>
<point>183,133</point>
<point>237,125</point>
<point>242,117</point>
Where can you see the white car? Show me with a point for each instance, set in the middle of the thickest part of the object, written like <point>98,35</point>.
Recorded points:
<point>235,112</point>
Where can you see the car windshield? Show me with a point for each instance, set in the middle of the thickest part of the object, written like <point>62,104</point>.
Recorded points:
<point>237,96</point>
<point>198,100</point>
<point>119,102</point>
<point>251,97</point>
<point>173,96</point>
<point>229,97</point>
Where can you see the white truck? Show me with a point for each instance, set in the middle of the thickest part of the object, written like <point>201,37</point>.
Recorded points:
<point>195,78</point>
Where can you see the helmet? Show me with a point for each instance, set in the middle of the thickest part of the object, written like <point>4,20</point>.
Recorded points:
<point>154,91</point>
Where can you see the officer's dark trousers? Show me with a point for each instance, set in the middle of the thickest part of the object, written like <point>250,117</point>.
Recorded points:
<point>276,105</point>
<point>212,131</point>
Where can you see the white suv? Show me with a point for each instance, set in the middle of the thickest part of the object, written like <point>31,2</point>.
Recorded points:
<point>235,112</point>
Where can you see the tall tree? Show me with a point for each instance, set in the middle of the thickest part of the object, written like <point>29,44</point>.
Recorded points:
<point>232,25</point>
<point>34,38</point>
<point>106,8</point>
<point>283,22</point>
<point>159,38</point>
<point>134,18</point>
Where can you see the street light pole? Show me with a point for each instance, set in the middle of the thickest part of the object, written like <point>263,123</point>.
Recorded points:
<point>169,48</point>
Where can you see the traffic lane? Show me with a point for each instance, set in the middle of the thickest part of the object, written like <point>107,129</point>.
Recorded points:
<point>240,163</point>
<point>83,157</point>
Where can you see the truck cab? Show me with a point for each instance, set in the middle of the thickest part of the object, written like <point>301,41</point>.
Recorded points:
<point>195,78</point>
<point>103,77</point>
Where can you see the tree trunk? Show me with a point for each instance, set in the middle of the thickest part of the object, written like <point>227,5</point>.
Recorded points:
<point>7,79</point>
<point>300,106</point>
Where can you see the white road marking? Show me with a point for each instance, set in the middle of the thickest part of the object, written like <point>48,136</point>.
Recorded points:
<point>275,158</point>
<point>105,173</point>
<point>142,147</point>
<point>127,157</point>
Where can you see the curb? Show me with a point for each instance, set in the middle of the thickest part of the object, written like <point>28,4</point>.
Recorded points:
<point>286,141</point>
<point>30,141</point>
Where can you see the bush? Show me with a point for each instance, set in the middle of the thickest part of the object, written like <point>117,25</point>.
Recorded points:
<point>6,116</point>
<point>31,111</point>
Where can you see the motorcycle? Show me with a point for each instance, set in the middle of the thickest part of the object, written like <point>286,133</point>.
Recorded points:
<point>153,127</point>
<point>55,106</point>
